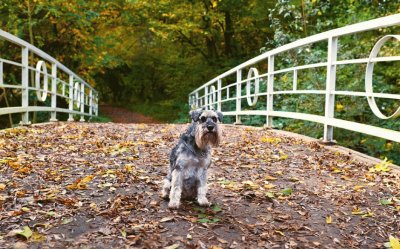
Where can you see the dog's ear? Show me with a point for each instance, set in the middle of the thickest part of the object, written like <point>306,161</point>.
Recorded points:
<point>195,114</point>
<point>220,116</point>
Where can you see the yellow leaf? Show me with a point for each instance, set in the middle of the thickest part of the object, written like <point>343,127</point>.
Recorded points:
<point>369,214</point>
<point>250,184</point>
<point>269,186</point>
<point>128,168</point>
<point>328,219</point>
<point>87,179</point>
<point>357,211</point>
<point>279,232</point>
<point>383,166</point>
<point>38,237</point>
<point>394,242</point>
<point>339,107</point>
<point>2,186</point>
<point>283,157</point>
<point>271,140</point>
<point>358,187</point>
<point>270,178</point>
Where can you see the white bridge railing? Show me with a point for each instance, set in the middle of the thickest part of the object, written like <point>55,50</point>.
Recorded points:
<point>228,87</point>
<point>28,77</point>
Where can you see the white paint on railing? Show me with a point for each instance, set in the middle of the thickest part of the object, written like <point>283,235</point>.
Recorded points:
<point>79,92</point>
<point>233,91</point>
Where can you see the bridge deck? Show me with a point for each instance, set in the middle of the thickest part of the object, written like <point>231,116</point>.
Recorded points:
<point>76,184</point>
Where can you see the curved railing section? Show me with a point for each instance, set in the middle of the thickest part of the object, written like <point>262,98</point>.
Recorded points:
<point>231,86</point>
<point>43,84</point>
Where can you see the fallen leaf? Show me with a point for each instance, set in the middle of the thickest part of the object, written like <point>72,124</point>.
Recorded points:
<point>394,242</point>
<point>287,191</point>
<point>358,187</point>
<point>25,232</point>
<point>174,246</point>
<point>385,202</point>
<point>270,195</point>
<point>328,219</point>
<point>166,219</point>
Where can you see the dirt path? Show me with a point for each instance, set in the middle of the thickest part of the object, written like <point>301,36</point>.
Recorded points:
<point>125,116</point>
<point>85,185</point>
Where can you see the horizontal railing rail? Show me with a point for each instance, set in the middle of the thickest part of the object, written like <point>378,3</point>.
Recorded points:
<point>229,86</point>
<point>67,93</point>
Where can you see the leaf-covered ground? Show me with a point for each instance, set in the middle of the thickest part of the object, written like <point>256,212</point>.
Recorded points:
<point>86,185</point>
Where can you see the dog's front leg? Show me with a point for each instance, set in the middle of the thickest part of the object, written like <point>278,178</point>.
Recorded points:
<point>176,189</point>
<point>202,190</point>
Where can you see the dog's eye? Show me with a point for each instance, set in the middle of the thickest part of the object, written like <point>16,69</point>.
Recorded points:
<point>214,119</point>
<point>203,119</point>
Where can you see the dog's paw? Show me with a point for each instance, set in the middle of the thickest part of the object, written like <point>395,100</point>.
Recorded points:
<point>173,205</point>
<point>203,202</point>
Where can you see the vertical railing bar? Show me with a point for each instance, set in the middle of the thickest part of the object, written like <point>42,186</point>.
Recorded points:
<point>1,73</point>
<point>295,80</point>
<point>82,99</point>
<point>238,95</point>
<point>197,100</point>
<point>91,102</point>
<point>206,98</point>
<point>53,117</point>
<point>71,97</point>
<point>219,104</point>
<point>330,88</point>
<point>25,85</point>
<point>270,90</point>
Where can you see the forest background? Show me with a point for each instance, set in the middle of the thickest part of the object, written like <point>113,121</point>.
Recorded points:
<point>148,55</point>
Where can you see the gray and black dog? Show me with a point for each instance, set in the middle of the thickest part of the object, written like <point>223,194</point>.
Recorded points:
<point>191,157</point>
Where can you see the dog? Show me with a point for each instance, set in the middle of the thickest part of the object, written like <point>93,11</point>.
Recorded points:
<point>191,157</point>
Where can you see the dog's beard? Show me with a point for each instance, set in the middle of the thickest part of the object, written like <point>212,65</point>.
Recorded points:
<point>205,138</point>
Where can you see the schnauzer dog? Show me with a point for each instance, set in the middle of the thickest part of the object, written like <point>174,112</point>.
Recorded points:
<point>191,157</point>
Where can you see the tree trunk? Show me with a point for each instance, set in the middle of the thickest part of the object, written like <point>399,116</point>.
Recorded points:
<point>228,35</point>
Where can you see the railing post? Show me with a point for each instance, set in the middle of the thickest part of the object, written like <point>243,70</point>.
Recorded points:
<point>25,85</point>
<point>238,95</point>
<point>71,97</point>
<point>53,117</point>
<point>1,73</point>
<point>206,97</point>
<point>270,90</point>
<point>91,102</point>
<point>219,91</point>
<point>330,88</point>
<point>82,99</point>
<point>197,104</point>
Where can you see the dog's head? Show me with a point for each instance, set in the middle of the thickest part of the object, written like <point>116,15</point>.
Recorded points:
<point>207,131</point>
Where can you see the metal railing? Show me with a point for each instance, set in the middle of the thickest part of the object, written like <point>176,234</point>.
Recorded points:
<point>214,93</point>
<point>68,92</point>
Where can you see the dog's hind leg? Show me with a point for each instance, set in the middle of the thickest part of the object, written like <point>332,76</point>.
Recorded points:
<point>166,188</point>
<point>176,189</point>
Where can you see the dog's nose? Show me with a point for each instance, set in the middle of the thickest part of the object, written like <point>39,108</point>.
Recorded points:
<point>210,127</point>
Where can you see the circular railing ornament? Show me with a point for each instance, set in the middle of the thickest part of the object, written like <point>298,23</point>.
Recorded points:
<point>212,97</point>
<point>252,71</point>
<point>368,78</point>
<point>41,68</point>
